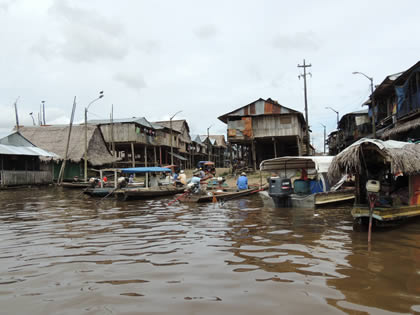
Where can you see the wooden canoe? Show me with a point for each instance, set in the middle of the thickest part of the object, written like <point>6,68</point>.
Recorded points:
<point>219,195</point>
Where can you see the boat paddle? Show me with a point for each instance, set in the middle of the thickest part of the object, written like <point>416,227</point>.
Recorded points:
<point>177,198</point>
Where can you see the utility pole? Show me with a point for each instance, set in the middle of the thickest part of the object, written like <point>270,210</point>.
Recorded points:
<point>372,99</point>
<point>325,135</point>
<point>101,94</point>
<point>43,111</point>
<point>304,66</point>
<point>170,127</point>
<point>16,113</point>
<point>209,142</point>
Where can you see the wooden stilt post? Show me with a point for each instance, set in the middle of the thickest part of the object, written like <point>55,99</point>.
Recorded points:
<point>133,156</point>
<point>275,147</point>
<point>254,154</point>
<point>154,155</point>
<point>145,155</point>
<point>160,155</point>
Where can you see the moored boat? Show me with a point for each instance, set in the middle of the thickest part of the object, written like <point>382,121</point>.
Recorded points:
<point>222,195</point>
<point>394,167</point>
<point>301,182</point>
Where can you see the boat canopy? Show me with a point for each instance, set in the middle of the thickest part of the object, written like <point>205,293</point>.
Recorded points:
<point>318,163</point>
<point>145,169</point>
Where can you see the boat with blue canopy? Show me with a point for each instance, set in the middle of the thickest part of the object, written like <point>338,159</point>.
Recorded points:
<point>152,186</point>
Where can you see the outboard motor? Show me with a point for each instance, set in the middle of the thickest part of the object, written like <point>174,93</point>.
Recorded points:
<point>280,190</point>
<point>193,188</point>
<point>122,182</point>
<point>93,182</point>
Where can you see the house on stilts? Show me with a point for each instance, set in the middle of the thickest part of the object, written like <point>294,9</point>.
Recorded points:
<point>54,139</point>
<point>264,129</point>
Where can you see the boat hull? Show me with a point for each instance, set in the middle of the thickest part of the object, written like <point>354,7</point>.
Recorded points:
<point>314,200</point>
<point>220,196</point>
<point>390,214</point>
<point>147,193</point>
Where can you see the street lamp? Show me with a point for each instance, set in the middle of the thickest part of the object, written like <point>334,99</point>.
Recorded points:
<point>325,134</point>
<point>33,120</point>
<point>372,100</point>
<point>208,139</point>
<point>338,120</point>
<point>101,94</point>
<point>170,127</point>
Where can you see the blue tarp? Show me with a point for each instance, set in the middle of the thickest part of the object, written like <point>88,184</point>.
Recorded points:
<point>315,186</point>
<point>145,169</point>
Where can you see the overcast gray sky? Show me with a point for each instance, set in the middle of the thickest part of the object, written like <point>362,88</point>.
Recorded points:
<point>206,58</point>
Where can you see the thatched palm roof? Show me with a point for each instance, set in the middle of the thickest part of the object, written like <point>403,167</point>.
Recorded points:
<point>54,139</point>
<point>404,157</point>
<point>402,127</point>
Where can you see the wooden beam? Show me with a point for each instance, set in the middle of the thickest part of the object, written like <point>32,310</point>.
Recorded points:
<point>133,157</point>
<point>154,154</point>
<point>254,154</point>
<point>145,155</point>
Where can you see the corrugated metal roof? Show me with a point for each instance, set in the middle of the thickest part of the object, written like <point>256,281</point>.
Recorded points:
<point>17,144</point>
<point>19,150</point>
<point>137,120</point>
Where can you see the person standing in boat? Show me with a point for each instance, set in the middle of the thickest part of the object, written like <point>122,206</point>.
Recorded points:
<point>194,183</point>
<point>182,177</point>
<point>242,182</point>
<point>154,181</point>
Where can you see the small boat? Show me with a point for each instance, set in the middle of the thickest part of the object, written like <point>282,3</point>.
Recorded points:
<point>301,182</point>
<point>99,191</point>
<point>135,193</point>
<point>75,185</point>
<point>219,195</point>
<point>387,176</point>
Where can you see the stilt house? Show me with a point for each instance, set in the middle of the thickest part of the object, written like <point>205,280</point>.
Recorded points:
<point>54,139</point>
<point>22,163</point>
<point>265,129</point>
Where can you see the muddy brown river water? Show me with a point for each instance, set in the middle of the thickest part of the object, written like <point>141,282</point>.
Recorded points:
<point>64,253</point>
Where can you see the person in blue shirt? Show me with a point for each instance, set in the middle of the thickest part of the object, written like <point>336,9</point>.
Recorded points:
<point>194,183</point>
<point>242,182</point>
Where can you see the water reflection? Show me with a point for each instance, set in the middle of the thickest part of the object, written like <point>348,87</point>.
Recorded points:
<point>62,252</point>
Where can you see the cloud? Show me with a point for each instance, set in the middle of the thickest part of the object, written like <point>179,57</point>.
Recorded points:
<point>206,31</point>
<point>149,46</point>
<point>297,41</point>
<point>5,5</point>
<point>85,36</point>
<point>131,80</point>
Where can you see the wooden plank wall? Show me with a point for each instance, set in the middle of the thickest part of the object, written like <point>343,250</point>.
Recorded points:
<point>14,178</point>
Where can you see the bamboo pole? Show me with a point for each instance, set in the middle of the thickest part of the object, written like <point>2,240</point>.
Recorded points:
<point>63,165</point>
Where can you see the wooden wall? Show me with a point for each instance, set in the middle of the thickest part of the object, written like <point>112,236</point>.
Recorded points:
<point>265,126</point>
<point>14,178</point>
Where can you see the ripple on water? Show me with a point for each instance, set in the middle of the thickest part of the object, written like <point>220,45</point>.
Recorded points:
<point>62,252</point>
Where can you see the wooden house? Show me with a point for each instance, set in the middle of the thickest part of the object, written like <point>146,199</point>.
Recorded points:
<point>265,129</point>
<point>134,141</point>
<point>218,150</point>
<point>351,127</point>
<point>397,106</point>
<point>181,142</point>
<point>54,139</point>
<point>198,150</point>
<point>23,163</point>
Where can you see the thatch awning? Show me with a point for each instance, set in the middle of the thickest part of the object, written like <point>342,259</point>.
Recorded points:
<point>54,139</point>
<point>404,127</point>
<point>404,157</point>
